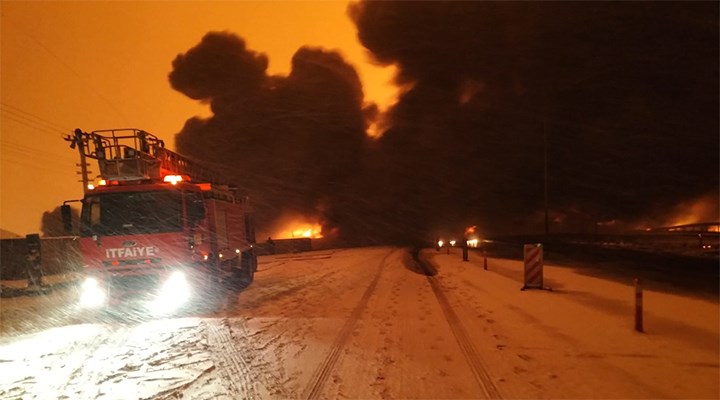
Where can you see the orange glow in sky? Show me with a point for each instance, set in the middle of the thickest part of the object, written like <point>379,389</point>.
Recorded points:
<point>101,65</point>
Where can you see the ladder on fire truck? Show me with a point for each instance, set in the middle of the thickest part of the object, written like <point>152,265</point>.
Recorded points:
<point>130,154</point>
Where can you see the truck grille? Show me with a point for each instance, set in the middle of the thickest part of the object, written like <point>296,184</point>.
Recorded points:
<point>134,283</point>
<point>117,263</point>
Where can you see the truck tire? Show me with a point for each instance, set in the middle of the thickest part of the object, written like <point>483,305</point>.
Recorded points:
<point>248,265</point>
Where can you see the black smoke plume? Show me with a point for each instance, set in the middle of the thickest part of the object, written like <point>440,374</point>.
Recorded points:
<point>624,94</point>
<point>619,100</point>
<point>294,143</point>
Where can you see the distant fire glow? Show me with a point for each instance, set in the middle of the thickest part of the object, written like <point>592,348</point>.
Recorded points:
<point>297,228</point>
<point>703,211</point>
<point>312,232</point>
<point>472,238</point>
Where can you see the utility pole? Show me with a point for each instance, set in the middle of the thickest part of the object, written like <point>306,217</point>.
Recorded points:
<point>77,140</point>
<point>545,172</point>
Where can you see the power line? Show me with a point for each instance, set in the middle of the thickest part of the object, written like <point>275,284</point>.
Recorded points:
<point>31,157</point>
<point>31,150</point>
<point>37,166</point>
<point>32,124</point>
<point>66,65</point>
<point>18,157</point>
<point>9,108</point>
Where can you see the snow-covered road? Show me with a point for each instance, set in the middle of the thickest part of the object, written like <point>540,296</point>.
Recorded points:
<point>368,323</point>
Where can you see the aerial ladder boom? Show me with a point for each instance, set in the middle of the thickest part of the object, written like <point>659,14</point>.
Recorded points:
<point>136,155</point>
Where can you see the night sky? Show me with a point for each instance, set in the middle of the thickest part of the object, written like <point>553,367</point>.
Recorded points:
<point>626,94</point>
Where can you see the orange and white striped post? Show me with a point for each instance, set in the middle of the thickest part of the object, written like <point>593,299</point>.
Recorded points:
<point>533,266</point>
<point>638,306</point>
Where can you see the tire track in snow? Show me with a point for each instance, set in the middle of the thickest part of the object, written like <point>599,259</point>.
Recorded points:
<point>479,370</point>
<point>282,260</point>
<point>319,377</point>
<point>272,296</point>
<point>235,370</point>
<point>231,303</point>
<point>99,350</point>
<point>264,372</point>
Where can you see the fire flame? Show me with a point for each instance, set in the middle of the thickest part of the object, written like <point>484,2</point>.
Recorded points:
<point>314,232</point>
<point>470,230</point>
<point>299,227</point>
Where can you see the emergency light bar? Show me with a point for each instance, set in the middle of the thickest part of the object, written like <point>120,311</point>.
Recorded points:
<point>173,179</point>
<point>101,182</point>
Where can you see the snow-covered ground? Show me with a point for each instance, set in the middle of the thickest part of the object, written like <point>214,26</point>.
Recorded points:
<point>367,323</point>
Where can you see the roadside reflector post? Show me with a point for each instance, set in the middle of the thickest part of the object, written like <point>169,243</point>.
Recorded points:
<point>448,249</point>
<point>485,259</point>
<point>638,306</point>
<point>533,255</point>
<point>465,251</point>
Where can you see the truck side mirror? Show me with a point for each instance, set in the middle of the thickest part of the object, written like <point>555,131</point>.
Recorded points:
<point>66,218</point>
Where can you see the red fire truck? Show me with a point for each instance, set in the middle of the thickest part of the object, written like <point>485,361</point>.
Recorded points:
<point>157,227</point>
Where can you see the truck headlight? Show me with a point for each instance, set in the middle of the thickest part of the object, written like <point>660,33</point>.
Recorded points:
<point>92,294</point>
<point>174,292</point>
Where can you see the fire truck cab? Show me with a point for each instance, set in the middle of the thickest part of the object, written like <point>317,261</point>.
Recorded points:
<point>158,228</point>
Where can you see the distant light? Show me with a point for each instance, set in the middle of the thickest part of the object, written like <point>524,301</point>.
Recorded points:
<point>440,243</point>
<point>237,251</point>
<point>90,186</point>
<point>472,243</point>
<point>102,182</point>
<point>220,255</point>
<point>452,243</point>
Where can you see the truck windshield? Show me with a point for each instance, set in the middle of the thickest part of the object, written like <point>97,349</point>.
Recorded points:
<point>132,213</point>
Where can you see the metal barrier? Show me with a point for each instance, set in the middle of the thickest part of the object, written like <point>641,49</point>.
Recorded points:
<point>59,255</point>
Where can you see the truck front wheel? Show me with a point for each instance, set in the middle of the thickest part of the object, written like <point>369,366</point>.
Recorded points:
<point>248,265</point>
